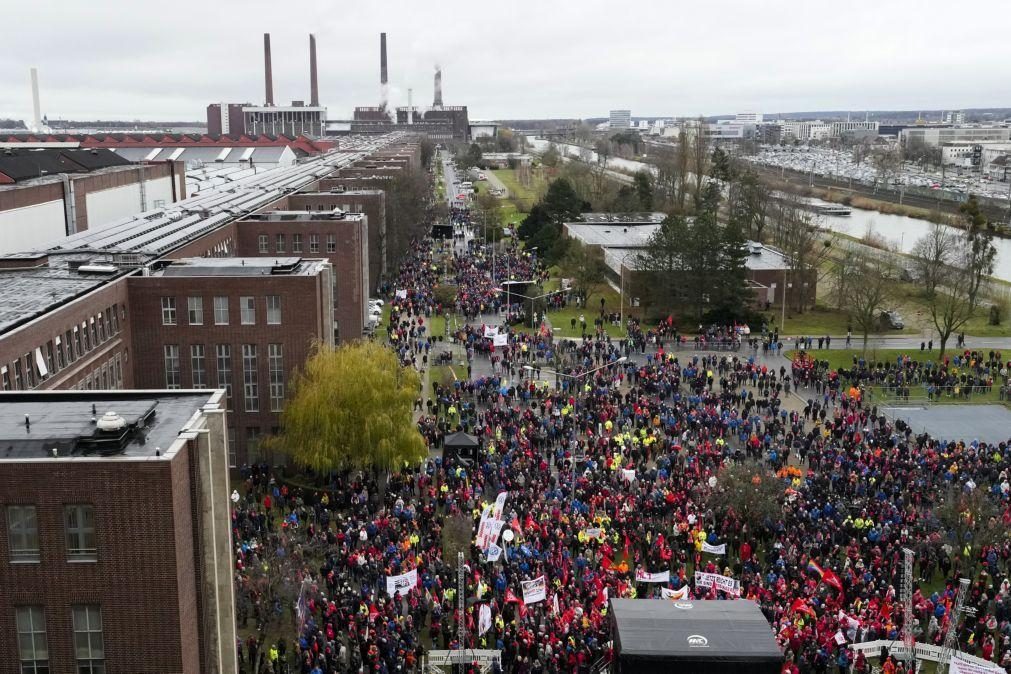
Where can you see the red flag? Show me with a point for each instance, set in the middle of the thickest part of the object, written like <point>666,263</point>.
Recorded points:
<point>601,598</point>
<point>800,606</point>
<point>606,563</point>
<point>510,597</point>
<point>373,612</point>
<point>832,580</point>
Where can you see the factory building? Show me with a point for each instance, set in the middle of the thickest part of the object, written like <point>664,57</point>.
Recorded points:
<point>225,289</point>
<point>118,550</point>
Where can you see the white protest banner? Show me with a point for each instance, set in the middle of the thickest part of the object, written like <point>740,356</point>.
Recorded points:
<point>960,665</point>
<point>720,549</point>
<point>483,619</point>
<point>676,595</point>
<point>722,583</point>
<point>490,330</point>
<point>401,584</point>
<point>493,553</point>
<point>500,340</point>
<point>534,590</point>
<point>593,532</point>
<point>840,638</point>
<point>628,474</point>
<point>500,500</point>
<point>850,621</point>
<point>401,294</point>
<point>482,526</point>
<point>647,577</point>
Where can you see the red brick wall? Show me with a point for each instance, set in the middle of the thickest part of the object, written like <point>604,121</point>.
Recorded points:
<point>301,324</point>
<point>351,294</point>
<point>148,616</point>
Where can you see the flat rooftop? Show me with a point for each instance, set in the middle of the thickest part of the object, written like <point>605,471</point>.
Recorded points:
<point>66,421</point>
<point>304,216</point>
<point>624,218</point>
<point>241,266</point>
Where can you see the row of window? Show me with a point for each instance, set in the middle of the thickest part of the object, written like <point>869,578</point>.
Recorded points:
<point>223,369</point>
<point>107,376</point>
<point>33,639</point>
<point>60,352</point>
<point>78,529</point>
<point>263,243</point>
<point>195,310</point>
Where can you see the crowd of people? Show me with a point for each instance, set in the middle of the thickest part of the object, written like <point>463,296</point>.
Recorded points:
<point>611,456</point>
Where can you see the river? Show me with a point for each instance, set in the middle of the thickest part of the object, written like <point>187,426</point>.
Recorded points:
<point>903,231</point>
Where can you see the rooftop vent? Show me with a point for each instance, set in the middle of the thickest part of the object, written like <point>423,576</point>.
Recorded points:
<point>94,268</point>
<point>111,421</point>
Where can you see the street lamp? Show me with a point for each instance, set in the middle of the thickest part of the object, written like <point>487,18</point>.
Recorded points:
<point>532,299</point>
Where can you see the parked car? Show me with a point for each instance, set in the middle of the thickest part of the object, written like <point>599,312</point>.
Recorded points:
<point>892,320</point>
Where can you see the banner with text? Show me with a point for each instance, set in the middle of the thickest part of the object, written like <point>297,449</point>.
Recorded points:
<point>500,501</point>
<point>722,583</point>
<point>720,549</point>
<point>401,584</point>
<point>676,595</point>
<point>647,577</point>
<point>534,590</point>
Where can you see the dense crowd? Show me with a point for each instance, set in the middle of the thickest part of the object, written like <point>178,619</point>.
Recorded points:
<point>611,455</point>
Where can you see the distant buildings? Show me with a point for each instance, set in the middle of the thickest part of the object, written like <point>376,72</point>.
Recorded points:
<point>117,549</point>
<point>936,136</point>
<point>620,119</point>
<point>956,117</point>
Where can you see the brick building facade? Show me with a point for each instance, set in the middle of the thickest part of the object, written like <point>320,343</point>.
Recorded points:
<point>116,559</point>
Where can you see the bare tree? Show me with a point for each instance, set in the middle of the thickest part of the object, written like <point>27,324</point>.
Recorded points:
<point>951,307</point>
<point>887,164</point>
<point>796,234</point>
<point>700,156</point>
<point>683,163</point>
<point>932,254</point>
<point>868,289</point>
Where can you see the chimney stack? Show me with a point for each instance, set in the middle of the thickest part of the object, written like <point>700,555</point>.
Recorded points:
<point>268,73</point>
<point>437,103</point>
<point>36,108</point>
<point>410,107</point>
<point>313,83</point>
<point>383,79</point>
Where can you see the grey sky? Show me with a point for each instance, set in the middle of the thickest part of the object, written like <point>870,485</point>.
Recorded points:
<point>139,59</point>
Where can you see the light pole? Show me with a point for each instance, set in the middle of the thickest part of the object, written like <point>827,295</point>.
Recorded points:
<point>532,299</point>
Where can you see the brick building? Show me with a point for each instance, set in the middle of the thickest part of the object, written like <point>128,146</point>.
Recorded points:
<point>117,555</point>
<point>87,314</point>
<point>238,324</point>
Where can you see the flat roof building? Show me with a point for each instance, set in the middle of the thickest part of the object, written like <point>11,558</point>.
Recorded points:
<point>118,552</point>
<point>620,119</point>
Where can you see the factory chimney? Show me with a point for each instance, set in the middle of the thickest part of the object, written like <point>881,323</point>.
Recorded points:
<point>410,107</point>
<point>437,103</point>
<point>36,108</point>
<point>313,83</point>
<point>268,73</point>
<point>384,91</point>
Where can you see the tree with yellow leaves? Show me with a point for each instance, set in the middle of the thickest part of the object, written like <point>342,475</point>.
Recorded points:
<point>350,409</point>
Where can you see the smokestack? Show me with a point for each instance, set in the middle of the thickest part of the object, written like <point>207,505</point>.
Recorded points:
<point>268,73</point>
<point>410,106</point>
<point>438,88</point>
<point>36,108</point>
<point>383,79</point>
<point>313,83</point>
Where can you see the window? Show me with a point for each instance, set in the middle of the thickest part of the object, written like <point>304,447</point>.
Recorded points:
<point>80,521</point>
<point>331,243</point>
<point>273,310</point>
<point>233,454</point>
<point>264,242</point>
<point>88,647</point>
<point>198,366</point>
<point>68,338</point>
<point>17,375</point>
<point>247,310</point>
<point>29,371</point>
<point>253,444</point>
<point>168,311</point>
<point>33,647</point>
<point>101,328</point>
<point>23,533</point>
<point>195,307</point>
<point>77,340</point>
<point>250,389</point>
<point>61,361</point>
<point>6,375</point>
<point>296,243</point>
<point>115,317</point>
<point>314,243</point>
<point>171,366</point>
<point>94,333</point>
<point>224,352</point>
<point>220,310</point>
<point>109,325</point>
<point>275,363</point>
<point>280,243</point>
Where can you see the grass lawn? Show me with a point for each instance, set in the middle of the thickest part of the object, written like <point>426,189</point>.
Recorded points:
<point>526,195</point>
<point>838,358</point>
<point>821,321</point>
<point>562,319</point>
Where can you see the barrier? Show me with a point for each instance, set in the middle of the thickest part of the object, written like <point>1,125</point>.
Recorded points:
<point>436,660</point>
<point>872,649</point>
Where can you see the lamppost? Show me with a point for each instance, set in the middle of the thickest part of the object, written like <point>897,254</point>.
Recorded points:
<point>577,377</point>
<point>532,299</point>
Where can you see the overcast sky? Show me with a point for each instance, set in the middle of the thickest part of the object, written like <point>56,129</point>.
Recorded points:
<point>140,59</point>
